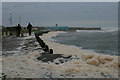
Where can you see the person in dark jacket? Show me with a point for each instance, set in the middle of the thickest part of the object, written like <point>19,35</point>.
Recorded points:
<point>18,29</point>
<point>29,27</point>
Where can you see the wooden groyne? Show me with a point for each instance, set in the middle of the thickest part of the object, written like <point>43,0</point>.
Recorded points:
<point>47,55</point>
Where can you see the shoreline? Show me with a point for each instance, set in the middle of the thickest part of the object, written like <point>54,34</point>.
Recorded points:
<point>48,37</point>
<point>24,64</point>
<point>85,45</point>
<point>89,58</point>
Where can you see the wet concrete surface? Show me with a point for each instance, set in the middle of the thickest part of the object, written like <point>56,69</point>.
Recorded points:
<point>10,43</point>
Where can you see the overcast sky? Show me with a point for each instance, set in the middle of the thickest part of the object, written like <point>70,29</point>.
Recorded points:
<point>60,0</point>
<point>0,13</point>
<point>68,14</point>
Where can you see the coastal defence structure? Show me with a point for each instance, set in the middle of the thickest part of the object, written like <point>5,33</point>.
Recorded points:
<point>83,28</point>
<point>56,28</point>
<point>67,28</point>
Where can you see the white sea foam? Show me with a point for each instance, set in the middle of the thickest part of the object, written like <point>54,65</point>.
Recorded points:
<point>96,30</point>
<point>89,65</point>
<point>108,29</point>
<point>89,61</point>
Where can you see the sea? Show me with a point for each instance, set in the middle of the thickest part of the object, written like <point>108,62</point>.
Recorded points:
<point>103,41</point>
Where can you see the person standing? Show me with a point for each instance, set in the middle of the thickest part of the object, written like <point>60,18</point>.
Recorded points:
<point>29,27</point>
<point>18,30</point>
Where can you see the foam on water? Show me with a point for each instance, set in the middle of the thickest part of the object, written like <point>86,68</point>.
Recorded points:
<point>90,30</point>
<point>89,65</point>
<point>108,29</point>
<point>88,61</point>
<point>88,50</point>
<point>100,41</point>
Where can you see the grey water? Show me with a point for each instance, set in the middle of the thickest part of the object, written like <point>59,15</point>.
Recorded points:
<point>105,42</point>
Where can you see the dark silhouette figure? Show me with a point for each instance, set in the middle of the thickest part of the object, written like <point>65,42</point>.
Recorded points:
<point>18,29</point>
<point>29,27</point>
<point>56,24</point>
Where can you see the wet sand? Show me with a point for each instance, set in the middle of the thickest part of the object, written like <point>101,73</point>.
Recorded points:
<point>84,64</point>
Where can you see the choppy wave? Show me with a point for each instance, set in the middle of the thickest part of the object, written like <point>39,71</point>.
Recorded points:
<point>111,29</point>
<point>90,31</point>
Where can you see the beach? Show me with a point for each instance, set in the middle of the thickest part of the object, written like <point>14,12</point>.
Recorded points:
<point>83,64</point>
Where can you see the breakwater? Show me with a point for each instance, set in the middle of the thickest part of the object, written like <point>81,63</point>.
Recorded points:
<point>83,28</point>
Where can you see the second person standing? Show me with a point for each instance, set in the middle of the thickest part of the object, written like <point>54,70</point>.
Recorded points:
<point>29,27</point>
